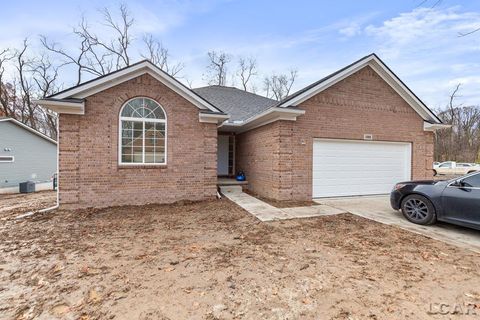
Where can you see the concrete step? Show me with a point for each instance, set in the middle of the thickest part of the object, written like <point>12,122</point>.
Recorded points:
<point>230,189</point>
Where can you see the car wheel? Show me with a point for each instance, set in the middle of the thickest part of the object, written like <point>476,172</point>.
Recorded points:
<point>434,173</point>
<point>418,209</point>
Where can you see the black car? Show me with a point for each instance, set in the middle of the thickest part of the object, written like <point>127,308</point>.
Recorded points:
<point>455,201</point>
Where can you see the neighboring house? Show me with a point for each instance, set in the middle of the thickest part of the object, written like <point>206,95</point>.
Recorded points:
<point>139,136</point>
<point>25,155</point>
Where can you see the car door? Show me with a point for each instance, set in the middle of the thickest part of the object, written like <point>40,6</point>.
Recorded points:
<point>462,168</point>
<point>461,200</point>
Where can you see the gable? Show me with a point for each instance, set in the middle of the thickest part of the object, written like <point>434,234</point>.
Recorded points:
<point>72,100</point>
<point>364,90</point>
<point>111,100</point>
<point>381,70</point>
<point>24,130</point>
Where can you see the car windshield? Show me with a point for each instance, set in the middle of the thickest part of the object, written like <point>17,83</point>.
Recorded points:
<point>463,177</point>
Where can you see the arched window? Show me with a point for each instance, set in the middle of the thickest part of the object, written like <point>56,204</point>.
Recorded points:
<point>143,132</point>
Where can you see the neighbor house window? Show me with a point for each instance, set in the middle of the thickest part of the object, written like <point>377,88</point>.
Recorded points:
<point>6,159</point>
<point>143,132</point>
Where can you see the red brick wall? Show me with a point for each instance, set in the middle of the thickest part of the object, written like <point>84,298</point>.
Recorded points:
<point>257,154</point>
<point>362,103</point>
<point>89,173</point>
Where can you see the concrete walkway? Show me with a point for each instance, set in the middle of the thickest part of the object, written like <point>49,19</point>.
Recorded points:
<point>266,212</point>
<point>378,208</point>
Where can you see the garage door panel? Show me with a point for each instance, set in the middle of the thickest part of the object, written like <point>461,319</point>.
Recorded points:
<point>354,168</point>
<point>345,167</point>
<point>365,154</point>
<point>355,177</point>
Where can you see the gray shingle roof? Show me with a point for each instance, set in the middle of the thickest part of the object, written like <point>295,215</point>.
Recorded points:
<point>239,104</point>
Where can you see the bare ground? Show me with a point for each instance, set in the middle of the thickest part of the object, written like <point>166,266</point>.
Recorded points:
<point>212,260</point>
<point>12,205</point>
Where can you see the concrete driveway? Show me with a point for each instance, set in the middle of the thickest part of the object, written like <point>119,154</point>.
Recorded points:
<point>378,208</point>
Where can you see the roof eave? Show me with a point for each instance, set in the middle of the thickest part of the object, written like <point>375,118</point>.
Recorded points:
<point>268,116</point>
<point>210,117</point>
<point>427,126</point>
<point>62,106</point>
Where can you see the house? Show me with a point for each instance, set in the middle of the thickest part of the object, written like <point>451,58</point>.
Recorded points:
<point>25,155</point>
<point>139,136</point>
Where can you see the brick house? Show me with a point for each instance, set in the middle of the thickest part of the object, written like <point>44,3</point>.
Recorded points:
<point>139,136</point>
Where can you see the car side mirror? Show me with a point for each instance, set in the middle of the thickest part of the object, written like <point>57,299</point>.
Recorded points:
<point>458,183</point>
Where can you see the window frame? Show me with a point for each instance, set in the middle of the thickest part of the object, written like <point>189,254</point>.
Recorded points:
<point>7,161</point>
<point>141,120</point>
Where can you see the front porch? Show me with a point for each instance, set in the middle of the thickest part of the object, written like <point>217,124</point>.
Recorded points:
<point>226,166</point>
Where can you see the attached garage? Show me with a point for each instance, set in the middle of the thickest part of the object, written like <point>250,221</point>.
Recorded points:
<point>350,167</point>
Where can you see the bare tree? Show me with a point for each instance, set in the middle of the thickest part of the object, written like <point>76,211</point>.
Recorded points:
<point>433,3</point>
<point>460,142</point>
<point>247,68</point>
<point>118,47</point>
<point>97,56</point>
<point>278,86</point>
<point>5,88</point>
<point>217,68</point>
<point>33,77</point>
<point>159,56</point>
<point>23,65</point>
<point>45,76</point>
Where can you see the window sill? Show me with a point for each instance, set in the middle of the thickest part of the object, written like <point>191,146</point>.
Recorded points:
<point>141,166</point>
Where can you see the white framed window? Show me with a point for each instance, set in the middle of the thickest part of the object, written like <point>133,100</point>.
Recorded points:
<point>5,159</point>
<point>142,133</point>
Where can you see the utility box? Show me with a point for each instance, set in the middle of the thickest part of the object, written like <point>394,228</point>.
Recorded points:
<point>27,187</point>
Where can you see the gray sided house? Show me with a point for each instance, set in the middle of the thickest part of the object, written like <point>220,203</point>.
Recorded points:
<point>25,155</point>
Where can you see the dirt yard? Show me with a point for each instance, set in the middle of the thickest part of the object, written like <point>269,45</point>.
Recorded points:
<point>212,260</point>
<point>12,205</point>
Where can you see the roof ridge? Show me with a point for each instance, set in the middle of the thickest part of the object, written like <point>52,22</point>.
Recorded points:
<point>238,89</point>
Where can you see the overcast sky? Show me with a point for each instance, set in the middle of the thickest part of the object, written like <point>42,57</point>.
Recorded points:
<point>419,43</point>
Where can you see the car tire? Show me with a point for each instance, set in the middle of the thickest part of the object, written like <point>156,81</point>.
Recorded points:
<point>418,209</point>
<point>434,173</point>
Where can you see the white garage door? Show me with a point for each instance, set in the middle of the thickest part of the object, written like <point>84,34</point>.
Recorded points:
<point>348,168</point>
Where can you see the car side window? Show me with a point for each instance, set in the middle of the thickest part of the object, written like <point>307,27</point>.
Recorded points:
<point>446,165</point>
<point>472,181</point>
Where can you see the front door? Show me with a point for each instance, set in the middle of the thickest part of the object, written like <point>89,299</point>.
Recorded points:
<point>222,155</point>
